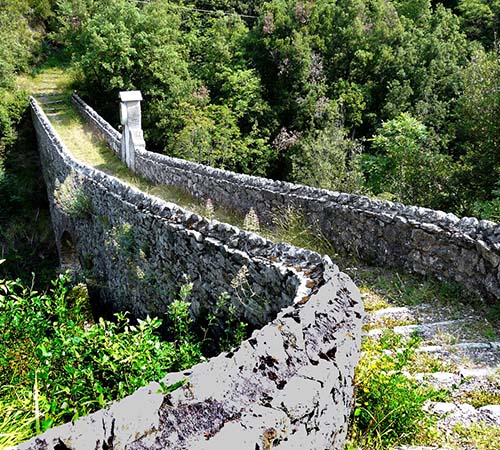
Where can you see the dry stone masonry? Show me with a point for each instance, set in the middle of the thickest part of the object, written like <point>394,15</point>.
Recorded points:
<point>289,386</point>
<point>421,240</point>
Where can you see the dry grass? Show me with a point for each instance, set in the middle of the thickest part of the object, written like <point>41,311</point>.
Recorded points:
<point>477,436</point>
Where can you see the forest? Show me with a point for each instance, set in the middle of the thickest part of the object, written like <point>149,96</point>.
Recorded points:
<point>397,99</point>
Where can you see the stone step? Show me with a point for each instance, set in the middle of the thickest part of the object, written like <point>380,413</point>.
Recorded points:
<point>464,381</point>
<point>51,109</point>
<point>55,95</point>
<point>484,373</point>
<point>428,313</point>
<point>443,332</point>
<point>467,355</point>
<point>451,414</point>
<point>394,313</point>
<point>424,330</point>
<point>46,98</point>
<point>54,102</point>
<point>46,92</point>
<point>428,330</point>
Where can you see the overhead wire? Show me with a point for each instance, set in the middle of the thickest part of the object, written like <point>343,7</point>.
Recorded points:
<point>205,11</point>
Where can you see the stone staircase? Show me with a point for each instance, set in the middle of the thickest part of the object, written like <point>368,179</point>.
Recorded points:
<point>50,95</point>
<point>466,355</point>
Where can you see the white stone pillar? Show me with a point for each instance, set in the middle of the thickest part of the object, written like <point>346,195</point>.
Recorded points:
<point>130,117</point>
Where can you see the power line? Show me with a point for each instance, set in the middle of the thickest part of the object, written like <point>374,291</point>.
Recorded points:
<point>205,11</point>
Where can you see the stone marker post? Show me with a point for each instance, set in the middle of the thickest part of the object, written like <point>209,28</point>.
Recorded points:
<point>130,118</point>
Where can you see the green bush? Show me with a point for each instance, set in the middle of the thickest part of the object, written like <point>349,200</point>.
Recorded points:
<point>488,209</point>
<point>60,364</point>
<point>389,404</point>
<point>406,164</point>
<point>328,159</point>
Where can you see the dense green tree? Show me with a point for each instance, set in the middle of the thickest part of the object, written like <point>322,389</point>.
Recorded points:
<point>478,128</point>
<point>247,8</point>
<point>234,89</point>
<point>481,20</point>
<point>406,165</point>
<point>427,72</point>
<point>264,95</point>
<point>123,45</point>
<point>211,136</point>
<point>375,58</point>
<point>19,46</point>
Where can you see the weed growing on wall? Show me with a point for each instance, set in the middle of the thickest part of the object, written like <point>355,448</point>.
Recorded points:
<point>234,331</point>
<point>58,364</point>
<point>209,212</point>
<point>241,286</point>
<point>181,327</point>
<point>125,239</point>
<point>121,239</point>
<point>290,225</point>
<point>251,221</point>
<point>70,197</point>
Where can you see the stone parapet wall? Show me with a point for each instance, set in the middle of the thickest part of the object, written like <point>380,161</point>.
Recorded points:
<point>419,240</point>
<point>291,383</point>
<point>97,123</point>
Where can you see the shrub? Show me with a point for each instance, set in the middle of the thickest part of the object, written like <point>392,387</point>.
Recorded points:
<point>251,221</point>
<point>291,225</point>
<point>51,350</point>
<point>389,404</point>
<point>328,159</point>
<point>406,164</point>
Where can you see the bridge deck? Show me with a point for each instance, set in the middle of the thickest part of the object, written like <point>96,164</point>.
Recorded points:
<point>52,90</point>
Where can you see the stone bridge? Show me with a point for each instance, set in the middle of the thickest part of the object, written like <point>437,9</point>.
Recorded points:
<point>290,385</point>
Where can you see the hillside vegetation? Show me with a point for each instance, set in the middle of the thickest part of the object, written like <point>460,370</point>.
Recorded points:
<point>396,98</point>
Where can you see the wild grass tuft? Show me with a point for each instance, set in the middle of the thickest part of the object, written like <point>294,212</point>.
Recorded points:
<point>71,198</point>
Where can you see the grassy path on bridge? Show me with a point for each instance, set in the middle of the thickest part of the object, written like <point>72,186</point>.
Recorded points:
<point>52,89</point>
<point>457,348</point>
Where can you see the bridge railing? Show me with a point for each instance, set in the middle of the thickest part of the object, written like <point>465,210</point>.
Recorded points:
<point>463,250</point>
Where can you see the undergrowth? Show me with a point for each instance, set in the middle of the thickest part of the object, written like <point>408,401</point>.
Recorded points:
<point>389,403</point>
<point>57,363</point>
